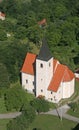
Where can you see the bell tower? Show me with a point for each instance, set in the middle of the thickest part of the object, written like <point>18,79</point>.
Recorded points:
<point>44,70</point>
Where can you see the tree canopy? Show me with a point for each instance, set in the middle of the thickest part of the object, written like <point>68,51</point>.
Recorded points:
<point>23,121</point>
<point>40,105</point>
<point>15,98</point>
<point>61,30</point>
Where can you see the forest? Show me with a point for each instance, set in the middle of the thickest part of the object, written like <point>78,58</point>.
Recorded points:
<point>61,32</point>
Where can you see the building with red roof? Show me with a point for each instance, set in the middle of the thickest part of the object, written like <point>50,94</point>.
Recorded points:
<point>45,76</point>
<point>2,16</point>
<point>42,23</point>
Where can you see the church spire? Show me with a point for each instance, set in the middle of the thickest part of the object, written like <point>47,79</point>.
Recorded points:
<point>44,53</point>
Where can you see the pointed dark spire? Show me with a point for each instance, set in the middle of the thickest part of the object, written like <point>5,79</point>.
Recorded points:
<point>44,53</point>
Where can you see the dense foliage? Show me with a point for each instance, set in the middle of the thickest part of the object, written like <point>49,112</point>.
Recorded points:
<point>22,122</point>
<point>4,76</point>
<point>15,98</point>
<point>40,105</point>
<point>61,29</point>
<point>11,59</point>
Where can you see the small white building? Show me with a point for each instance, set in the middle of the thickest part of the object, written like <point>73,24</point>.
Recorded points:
<point>2,16</point>
<point>44,76</point>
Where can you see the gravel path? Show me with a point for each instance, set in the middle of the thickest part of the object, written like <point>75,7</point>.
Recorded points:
<point>61,113</point>
<point>10,115</point>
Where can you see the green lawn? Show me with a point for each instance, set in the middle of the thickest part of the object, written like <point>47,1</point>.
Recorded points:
<point>49,122</point>
<point>77,87</point>
<point>3,124</point>
<point>71,112</point>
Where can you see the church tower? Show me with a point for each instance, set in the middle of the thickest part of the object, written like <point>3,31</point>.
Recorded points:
<point>44,70</point>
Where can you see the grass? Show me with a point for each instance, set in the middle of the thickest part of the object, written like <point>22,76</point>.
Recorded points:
<point>49,122</point>
<point>3,124</point>
<point>77,88</point>
<point>76,112</point>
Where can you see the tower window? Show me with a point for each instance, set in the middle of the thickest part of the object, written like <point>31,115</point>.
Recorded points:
<point>41,90</point>
<point>51,92</point>
<point>49,64</point>
<point>41,65</point>
<point>33,82</point>
<point>26,81</point>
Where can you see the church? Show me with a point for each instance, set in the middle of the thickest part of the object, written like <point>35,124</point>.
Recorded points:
<point>45,76</point>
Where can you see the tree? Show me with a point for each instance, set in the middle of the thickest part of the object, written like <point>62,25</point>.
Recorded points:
<point>3,35</point>
<point>60,11</point>
<point>23,121</point>
<point>20,123</point>
<point>10,7</point>
<point>35,34</point>
<point>12,55</point>
<point>40,105</point>
<point>29,113</point>
<point>20,32</point>
<point>15,97</point>
<point>4,76</point>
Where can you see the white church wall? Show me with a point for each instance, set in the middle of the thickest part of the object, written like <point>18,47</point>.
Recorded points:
<point>68,88</point>
<point>55,97</point>
<point>28,82</point>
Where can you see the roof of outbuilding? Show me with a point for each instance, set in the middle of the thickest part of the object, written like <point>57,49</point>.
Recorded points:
<point>44,53</point>
<point>42,22</point>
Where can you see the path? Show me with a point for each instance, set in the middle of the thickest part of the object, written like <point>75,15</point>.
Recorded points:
<point>61,113</point>
<point>10,115</point>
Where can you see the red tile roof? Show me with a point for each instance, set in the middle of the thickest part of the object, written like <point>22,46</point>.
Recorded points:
<point>69,75</point>
<point>42,22</point>
<point>2,14</point>
<point>55,63</point>
<point>62,74</point>
<point>28,66</point>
